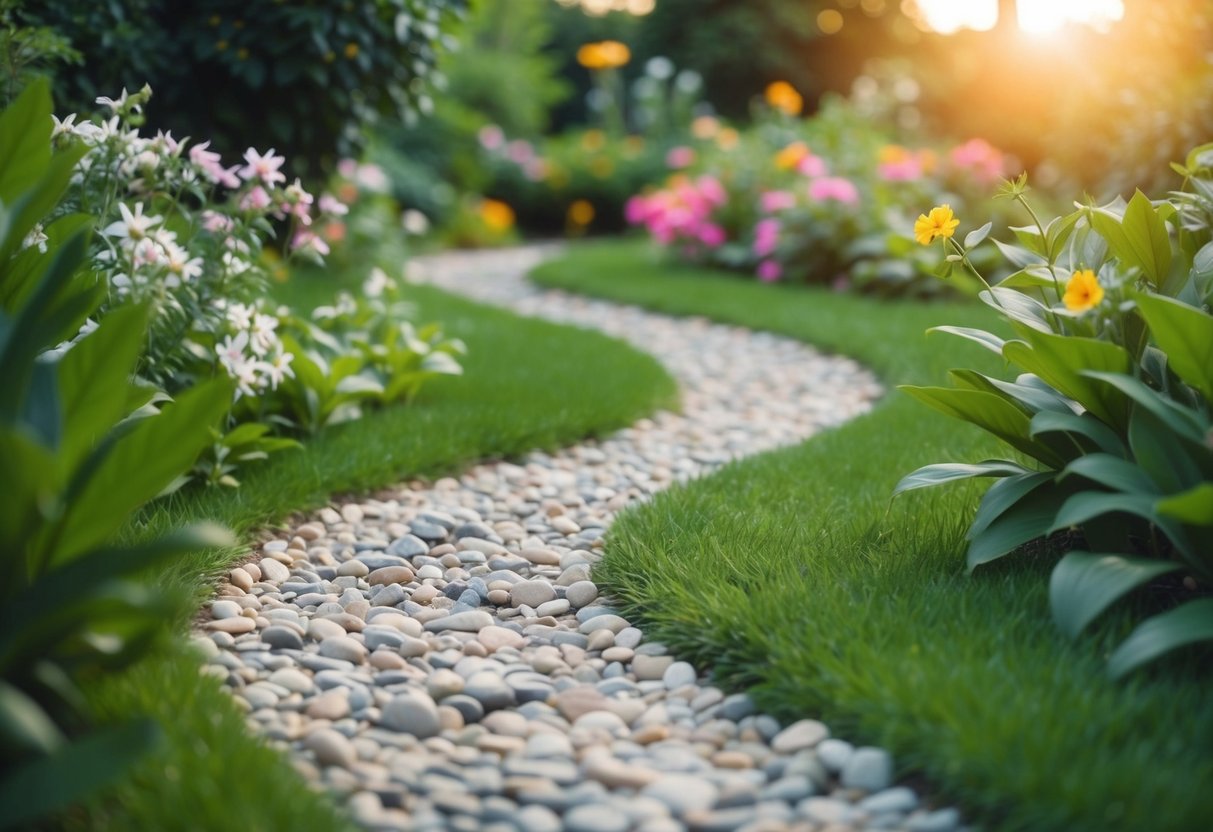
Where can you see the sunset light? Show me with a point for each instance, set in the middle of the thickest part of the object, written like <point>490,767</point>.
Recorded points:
<point>1033,16</point>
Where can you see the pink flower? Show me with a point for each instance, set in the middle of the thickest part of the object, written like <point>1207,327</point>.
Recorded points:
<point>346,168</point>
<point>307,240</point>
<point>520,151</point>
<point>833,187</point>
<point>907,169</point>
<point>256,200</point>
<point>535,170</point>
<point>372,178</point>
<point>332,206</point>
<point>711,235</point>
<point>711,190</point>
<point>766,236</point>
<point>773,201</point>
<point>208,163</point>
<point>812,165</point>
<point>636,210</point>
<point>980,158</point>
<point>491,137</point>
<point>263,167</point>
<point>769,271</point>
<point>216,223</point>
<point>680,157</point>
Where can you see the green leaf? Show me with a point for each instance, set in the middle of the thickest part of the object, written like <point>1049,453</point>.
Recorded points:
<point>977,235</point>
<point>24,725</point>
<point>1190,623</point>
<point>25,140</point>
<point>990,412</point>
<point>1164,456</point>
<point>1090,505</point>
<point>1185,334</point>
<point>979,336</point>
<point>1018,307</point>
<point>1139,238</point>
<point>138,465</point>
<point>1002,495</point>
<point>1085,425</point>
<point>931,475</point>
<point>1063,361</point>
<point>1193,507</point>
<point>1083,585</point>
<point>1113,472</point>
<point>47,784</point>
<point>1027,519</point>
<point>1174,417</point>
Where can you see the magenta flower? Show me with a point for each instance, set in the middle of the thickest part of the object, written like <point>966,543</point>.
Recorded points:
<point>766,236</point>
<point>811,165</point>
<point>774,201</point>
<point>306,240</point>
<point>711,190</point>
<point>981,159</point>
<point>908,169</point>
<point>680,157</point>
<point>711,235</point>
<point>263,167</point>
<point>520,151</point>
<point>769,271</point>
<point>256,200</point>
<point>833,188</point>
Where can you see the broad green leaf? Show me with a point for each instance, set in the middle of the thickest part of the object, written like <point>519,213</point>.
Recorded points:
<point>1030,237</point>
<point>1190,623</point>
<point>1059,229</point>
<point>245,433</point>
<point>987,340</point>
<point>25,140</point>
<point>1176,418</point>
<point>1033,277</point>
<point>138,465</point>
<point>1003,494</point>
<point>30,791</point>
<point>1086,506</point>
<point>1018,256</point>
<point>28,472</point>
<point>1161,452</point>
<point>1193,507</point>
<point>1083,585</point>
<point>1113,472</point>
<point>37,201</point>
<point>1018,307</point>
<point>1147,238</point>
<point>989,412</point>
<point>1026,520</point>
<point>977,235</point>
<point>24,725</point>
<point>1086,425</point>
<point>1063,361</point>
<point>930,475</point>
<point>1185,334</point>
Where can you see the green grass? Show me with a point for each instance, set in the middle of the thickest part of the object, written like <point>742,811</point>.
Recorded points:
<point>527,384</point>
<point>794,575</point>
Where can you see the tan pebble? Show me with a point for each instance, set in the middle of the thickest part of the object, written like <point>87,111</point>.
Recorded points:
<point>732,759</point>
<point>323,557</point>
<point>494,638</point>
<point>499,597</point>
<point>541,557</point>
<point>229,591</point>
<point>398,621</point>
<point>322,628</point>
<point>358,608</point>
<point>618,654</point>
<point>241,579</point>
<point>629,710</point>
<point>565,525</point>
<point>352,513</point>
<point>387,660</point>
<point>329,517</point>
<point>500,745</point>
<point>310,531</point>
<point>296,554</point>
<point>450,718</point>
<point>281,557</point>
<point>353,568</point>
<point>575,702</point>
<point>475,648</point>
<point>651,734</point>
<point>234,626</point>
<point>390,575</point>
<point>424,594</point>
<point>442,549</point>
<point>600,640</point>
<point>334,705</point>
<point>253,569</point>
<point>349,623</point>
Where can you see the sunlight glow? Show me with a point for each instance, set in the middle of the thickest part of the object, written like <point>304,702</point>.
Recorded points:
<point>1045,16</point>
<point>1034,16</point>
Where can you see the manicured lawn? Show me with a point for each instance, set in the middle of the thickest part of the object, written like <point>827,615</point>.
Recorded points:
<point>527,385</point>
<point>794,575</point>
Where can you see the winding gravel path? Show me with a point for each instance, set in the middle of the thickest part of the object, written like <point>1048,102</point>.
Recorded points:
<point>441,659</point>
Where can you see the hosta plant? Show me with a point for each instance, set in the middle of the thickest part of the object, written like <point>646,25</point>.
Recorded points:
<point>82,448</point>
<point>1111,416</point>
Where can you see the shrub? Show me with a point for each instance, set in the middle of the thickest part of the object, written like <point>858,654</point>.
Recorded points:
<point>1113,412</point>
<point>82,447</point>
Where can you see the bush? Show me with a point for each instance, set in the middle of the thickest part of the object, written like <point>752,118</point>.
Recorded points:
<point>82,448</point>
<point>305,77</point>
<point>1113,410</point>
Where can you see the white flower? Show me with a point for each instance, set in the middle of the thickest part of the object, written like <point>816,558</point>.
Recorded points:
<point>263,167</point>
<point>659,67</point>
<point>234,264</point>
<point>147,252</point>
<point>115,106</point>
<point>277,368</point>
<point>415,222</point>
<point>67,127</point>
<point>237,364</point>
<point>240,316</point>
<point>180,263</point>
<point>262,330</point>
<point>36,237</point>
<point>89,133</point>
<point>375,284</point>
<point>133,226</point>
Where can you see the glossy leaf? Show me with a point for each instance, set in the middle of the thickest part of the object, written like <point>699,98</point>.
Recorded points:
<point>1190,623</point>
<point>1193,507</point>
<point>1112,472</point>
<point>1063,361</point>
<point>1176,419</point>
<point>978,336</point>
<point>989,412</point>
<point>1084,425</point>
<point>931,475</point>
<point>1028,519</point>
<point>1083,585</point>
<point>1185,334</point>
<point>1002,495</point>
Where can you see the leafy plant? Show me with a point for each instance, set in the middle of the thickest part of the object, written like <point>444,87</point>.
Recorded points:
<point>82,448</point>
<point>1112,414</point>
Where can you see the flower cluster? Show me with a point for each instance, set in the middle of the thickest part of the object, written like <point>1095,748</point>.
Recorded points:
<point>251,353</point>
<point>682,213</point>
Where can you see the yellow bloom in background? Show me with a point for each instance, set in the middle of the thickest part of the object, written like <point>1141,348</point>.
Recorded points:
<point>496,214</point>
<point>607,54</point>
<point>727,138</point>
<point>782,96</point>
<point>892,154</point>
<point>581,212</point>
<point>705,127</point>
<point>633,145</point>
<point>351,50</point>
<point>1083,291</point>
<point>791,155</point>
<point>601,167</point>
<point>592,140</point>
<point>939,224</point>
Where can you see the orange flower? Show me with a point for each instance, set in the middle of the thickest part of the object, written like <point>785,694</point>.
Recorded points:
<point>496,214</point>
<point>607,54</point>
<point>939,224</point>
<point>1083,291</point>
<point>791,156</point>
<point>892,154</point>
<point>705,127</point>
<point>581,212</point>
<point>782,96</point>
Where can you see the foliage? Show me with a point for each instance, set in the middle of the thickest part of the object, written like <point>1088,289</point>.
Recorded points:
<point>26,52</point>
<point>82,448</point>
<point>305,77</point>
<point>823,200</point>
<point>1114,408</point>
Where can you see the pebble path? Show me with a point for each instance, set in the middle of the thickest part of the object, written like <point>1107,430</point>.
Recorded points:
<point>440,658</point>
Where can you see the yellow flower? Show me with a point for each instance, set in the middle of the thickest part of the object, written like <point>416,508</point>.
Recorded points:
<point>704,127</point>
<point>351,50</point>
<point>892,154</point>
<point>592,140</point>
<point>581,212</point>
<point>782,96</point>
<point>791,155</point>
<point>1083,292</point>
<point>496,214</point>
<point>601,167</point>
<point>607,54</point>
<point>939,224</point>
<point>727,138</point>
